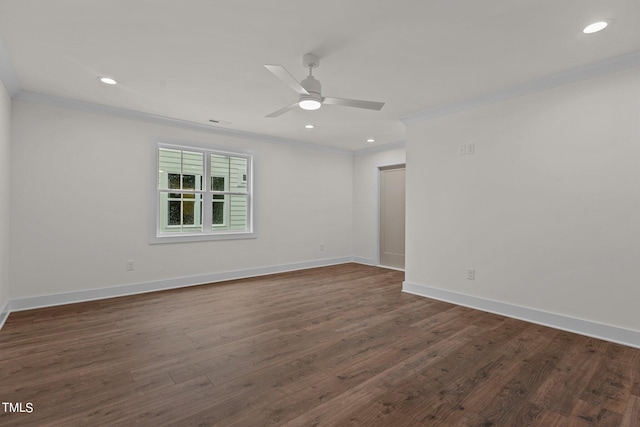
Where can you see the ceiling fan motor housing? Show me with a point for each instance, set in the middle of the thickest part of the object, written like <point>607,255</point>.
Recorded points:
<point>312,86</point>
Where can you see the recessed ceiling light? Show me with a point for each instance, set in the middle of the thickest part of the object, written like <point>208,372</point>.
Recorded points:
<point>309,126</point>
<point>108,80</point>
<point>595,27</point>
<point>371,140</point>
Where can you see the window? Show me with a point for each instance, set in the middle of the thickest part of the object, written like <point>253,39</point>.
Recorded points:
<point>202,194</point>
<point>181,207</point>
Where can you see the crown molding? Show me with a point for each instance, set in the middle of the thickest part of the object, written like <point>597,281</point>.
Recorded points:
<point>9,77</point>
<point>380,148</point>
<point>73,104</point>
<point>8,73</point>
<point>57,101</point>
<point>596,69</point>
<point>10,80</point>
<point>600,68</point>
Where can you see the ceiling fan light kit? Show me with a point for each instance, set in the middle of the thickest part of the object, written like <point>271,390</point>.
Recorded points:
<point>309,103</point>
<point>310,90</point>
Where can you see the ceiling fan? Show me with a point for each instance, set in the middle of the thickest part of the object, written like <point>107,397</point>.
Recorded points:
<point>309,90</point>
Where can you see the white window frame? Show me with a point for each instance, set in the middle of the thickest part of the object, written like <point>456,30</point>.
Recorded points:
<point>209,231</point>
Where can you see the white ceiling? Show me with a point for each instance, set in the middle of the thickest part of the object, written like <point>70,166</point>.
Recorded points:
<point>197,60</point>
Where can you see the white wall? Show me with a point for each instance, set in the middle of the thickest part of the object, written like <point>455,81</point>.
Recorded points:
<point>366,200</point>
<point>81,204</point>
<point>547,210</point>
<point>5,178</point>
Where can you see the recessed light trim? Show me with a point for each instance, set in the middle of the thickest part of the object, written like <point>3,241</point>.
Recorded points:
<point>108,80</point>
<point>595,27</point>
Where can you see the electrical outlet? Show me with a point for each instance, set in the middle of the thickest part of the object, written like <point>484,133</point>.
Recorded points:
<point>131,265</point>
<point>462,150</point>
<point>471,148</point>
<point>471,274</point>
<point>322,246</point>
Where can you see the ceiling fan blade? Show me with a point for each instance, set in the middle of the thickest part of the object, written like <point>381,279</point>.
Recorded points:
<point>283,110</point>
<point>370,105</point>
<point>284,75</point>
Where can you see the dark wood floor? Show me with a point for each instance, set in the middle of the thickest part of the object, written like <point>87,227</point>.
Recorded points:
<point>330,346</point>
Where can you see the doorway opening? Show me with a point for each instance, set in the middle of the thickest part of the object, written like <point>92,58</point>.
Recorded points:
<point>392,216</point>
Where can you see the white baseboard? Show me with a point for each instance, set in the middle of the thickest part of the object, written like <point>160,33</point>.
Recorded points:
<point>4,314</point>
<point>20,304</point>
<point>391,268</point>
<point>584,327</point>
<point>362,260</point>
<point>370,261</point>
<point>588,328</point>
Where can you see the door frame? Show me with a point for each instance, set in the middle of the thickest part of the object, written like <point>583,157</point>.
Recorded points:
<point>378,208</point>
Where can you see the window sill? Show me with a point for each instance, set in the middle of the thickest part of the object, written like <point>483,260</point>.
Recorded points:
<point>182,238</point>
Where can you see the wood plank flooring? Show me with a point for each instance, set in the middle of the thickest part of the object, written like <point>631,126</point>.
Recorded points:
<point>331,346</point>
